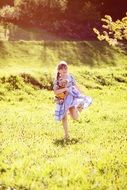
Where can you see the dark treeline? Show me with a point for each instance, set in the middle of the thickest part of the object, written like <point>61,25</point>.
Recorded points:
<point>72,19</point>
<point>6,2</point>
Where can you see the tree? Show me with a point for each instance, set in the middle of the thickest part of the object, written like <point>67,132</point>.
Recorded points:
<point>115,30</point>
<point>32,12</point>
<point>81,11</point>
<point>6,2</point>
<point>115,8</point>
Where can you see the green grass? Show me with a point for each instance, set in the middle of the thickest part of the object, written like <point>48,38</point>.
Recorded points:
<point>33,155</point>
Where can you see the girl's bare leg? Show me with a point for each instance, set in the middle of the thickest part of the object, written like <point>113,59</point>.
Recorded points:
<point>74,113</point>
<point>65,126</point>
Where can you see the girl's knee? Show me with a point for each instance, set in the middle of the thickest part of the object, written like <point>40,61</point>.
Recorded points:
<point>75,117</point>
<point>74,113</point>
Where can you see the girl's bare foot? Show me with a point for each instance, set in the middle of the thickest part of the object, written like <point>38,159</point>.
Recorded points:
<point>66,137</point>
<point>80,107</point>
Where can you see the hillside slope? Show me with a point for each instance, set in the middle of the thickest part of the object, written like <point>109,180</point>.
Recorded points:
<point>32,53</point>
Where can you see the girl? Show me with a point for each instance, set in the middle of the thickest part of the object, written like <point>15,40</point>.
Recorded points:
<point>72,99</point>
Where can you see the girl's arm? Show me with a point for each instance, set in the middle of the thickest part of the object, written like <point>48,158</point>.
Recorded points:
<point>58,91</point>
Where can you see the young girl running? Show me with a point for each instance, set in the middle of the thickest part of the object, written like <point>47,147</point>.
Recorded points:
<point>68,97</point>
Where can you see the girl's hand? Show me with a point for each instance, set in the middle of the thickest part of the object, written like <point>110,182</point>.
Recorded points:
<point>66,89</point>
<point>58,91</point>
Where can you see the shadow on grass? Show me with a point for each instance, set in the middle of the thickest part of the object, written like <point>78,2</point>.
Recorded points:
<point>64,142</point>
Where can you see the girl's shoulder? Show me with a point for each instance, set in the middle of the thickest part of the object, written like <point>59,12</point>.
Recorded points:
<point>70,75</point>
<point>71,79</point>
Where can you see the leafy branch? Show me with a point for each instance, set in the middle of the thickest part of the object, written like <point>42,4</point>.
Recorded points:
<point>115,30</point>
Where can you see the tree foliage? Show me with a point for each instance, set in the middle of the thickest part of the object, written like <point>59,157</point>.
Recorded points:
<point>74,18</point>
<point>31,12</point>
<point>114,30</point>
<point>81,10</point>
<point>6,2</point>
<point>40,11</point>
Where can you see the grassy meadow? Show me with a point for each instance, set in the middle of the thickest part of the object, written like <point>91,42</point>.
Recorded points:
<point>33,154</point>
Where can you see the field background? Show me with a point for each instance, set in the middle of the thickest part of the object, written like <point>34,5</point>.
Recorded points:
<point>33,155</point>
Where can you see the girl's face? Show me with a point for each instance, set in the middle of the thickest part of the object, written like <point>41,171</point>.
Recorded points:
<point>63,71</point>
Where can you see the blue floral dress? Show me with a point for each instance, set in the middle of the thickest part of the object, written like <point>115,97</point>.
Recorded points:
<point>73,99</point>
